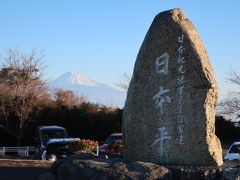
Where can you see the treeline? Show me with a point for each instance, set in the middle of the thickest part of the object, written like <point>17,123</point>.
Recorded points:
<point>84,120</point>
<point>87,121</point>
<point>92,121</point>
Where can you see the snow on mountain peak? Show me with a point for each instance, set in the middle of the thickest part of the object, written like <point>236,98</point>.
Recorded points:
<point>94,91</point>
<point>76,78</point>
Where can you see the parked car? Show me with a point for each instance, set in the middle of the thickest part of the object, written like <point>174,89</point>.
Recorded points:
<point>52,143</point>
<point>113,139</point>
<point>233,152</point>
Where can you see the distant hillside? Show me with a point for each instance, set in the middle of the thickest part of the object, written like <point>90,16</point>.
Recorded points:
<point>94,91</point>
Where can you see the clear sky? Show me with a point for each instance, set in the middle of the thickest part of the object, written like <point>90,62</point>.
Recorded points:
<point>101,39</point>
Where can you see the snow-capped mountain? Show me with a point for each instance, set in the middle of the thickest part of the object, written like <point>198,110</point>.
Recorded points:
<point>73,78</point>
<point>94,91</point>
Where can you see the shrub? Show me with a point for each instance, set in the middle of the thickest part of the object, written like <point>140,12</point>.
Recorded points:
<point>116,148</point>
<point>83,145</point>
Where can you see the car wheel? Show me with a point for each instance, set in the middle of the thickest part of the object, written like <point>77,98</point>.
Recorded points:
<point>52,157</point>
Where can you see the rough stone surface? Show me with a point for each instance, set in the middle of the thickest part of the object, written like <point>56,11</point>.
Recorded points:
<point>87,166</point>
<point>169,114</point>
<point>231,170</point>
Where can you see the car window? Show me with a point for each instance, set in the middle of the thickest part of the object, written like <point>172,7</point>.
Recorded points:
<point>235,149</point>
<point>113,139</point>
<point>53,134</point>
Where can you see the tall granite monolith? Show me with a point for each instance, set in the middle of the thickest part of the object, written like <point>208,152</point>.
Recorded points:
<point>169,114</point>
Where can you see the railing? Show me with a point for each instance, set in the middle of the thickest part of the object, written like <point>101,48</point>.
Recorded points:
<point>21,151</point>
<point>26,150</point>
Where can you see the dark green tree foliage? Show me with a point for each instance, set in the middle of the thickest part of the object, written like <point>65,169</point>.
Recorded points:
<point>226,130</point>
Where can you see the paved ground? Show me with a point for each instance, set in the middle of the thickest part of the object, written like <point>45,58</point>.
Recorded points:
<point>20,169</point>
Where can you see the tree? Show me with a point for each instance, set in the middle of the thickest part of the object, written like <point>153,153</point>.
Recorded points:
<point>21,89</point>
<point>231,105</point>
<point>67,98</point>
<point>226,130</point>
<point>124,82</point>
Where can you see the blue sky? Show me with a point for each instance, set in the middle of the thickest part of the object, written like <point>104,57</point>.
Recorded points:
<point>101,39</point>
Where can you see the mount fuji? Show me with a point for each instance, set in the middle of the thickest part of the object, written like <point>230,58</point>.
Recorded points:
<point>94,92</point>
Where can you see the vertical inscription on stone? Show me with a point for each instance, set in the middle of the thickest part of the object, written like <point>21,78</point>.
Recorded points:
<point>162,64</point>
<point>160,98</point>
<point>160,137</point>
<point>180,89</point>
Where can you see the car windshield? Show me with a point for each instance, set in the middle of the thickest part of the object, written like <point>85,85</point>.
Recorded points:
<point>113,139</point>
<point>235,149</point>
<point>53,134</point>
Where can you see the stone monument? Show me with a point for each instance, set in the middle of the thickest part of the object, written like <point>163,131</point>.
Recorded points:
<point>169,114</point>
